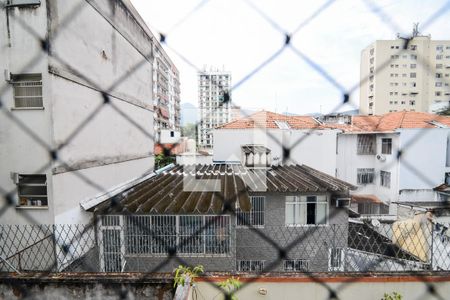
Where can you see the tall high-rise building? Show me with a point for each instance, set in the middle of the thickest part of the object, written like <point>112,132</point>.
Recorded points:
<point>412,79</point>
<point>214,98</point>
<point>166,92</point>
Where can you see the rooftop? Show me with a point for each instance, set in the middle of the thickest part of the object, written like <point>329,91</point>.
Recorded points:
<point>166,192</point>
<point>362,123</point>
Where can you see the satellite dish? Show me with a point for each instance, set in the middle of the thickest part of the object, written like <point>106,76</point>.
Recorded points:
<point>375,223</point>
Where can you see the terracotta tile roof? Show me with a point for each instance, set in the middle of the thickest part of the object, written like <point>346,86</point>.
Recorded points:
<point>267,119</point>
<point>381,123</point>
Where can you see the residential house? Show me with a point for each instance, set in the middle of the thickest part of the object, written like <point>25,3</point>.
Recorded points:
<point>207,214</point>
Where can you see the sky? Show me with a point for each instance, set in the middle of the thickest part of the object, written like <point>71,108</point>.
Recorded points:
<point>231,34</point>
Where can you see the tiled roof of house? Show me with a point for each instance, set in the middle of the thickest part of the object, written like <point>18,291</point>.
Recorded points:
<point>381,123</point>
<point>176,191</point>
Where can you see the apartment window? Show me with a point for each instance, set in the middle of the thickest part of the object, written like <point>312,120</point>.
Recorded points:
<point>438,93</point>
<point>365,175</point>
<point>413,47</point>
<point>404,56</point>
<point>439,56</point>
<point>336,259</point>
<point>412,75</point>
<point>413,56</point>
<point>386,145</point>
<point>32,190</point>
<point>366,144</point>
<point>438,84</point>
<point>250,265</point>
<point>27,89</point>
<point>413,84</point>
<point>296,265</point>
<point>412,102</point>
<point>385,179</point>
<point>439,47</point>
<point>255,217</point>
<point>371,60</point>
<point>413,66</point>
<point>438,66</point>
<point>306,210</point>
<point>12,3</point>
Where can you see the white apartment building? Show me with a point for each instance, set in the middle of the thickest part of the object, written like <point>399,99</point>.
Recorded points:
<point>214,98</point>
<point>413,79</point>
<point>166,93</point>
<point>361,150</point>
<point>59,91</point>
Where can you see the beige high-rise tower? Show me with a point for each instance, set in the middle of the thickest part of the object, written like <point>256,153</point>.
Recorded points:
<point>412,79</point>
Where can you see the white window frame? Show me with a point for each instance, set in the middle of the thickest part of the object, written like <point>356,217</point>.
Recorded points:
<point>368,172</point>
<point>24,82</point>
<point>386,142</point>
<point>22,184</point>
<point>211,235</point>
<point>302,207</point>
<point>385,179</point>
<point>336,252</point>
<point>252,214</point>
<point>253,265</point>
<point>299,265</point>
<point>366,144</point>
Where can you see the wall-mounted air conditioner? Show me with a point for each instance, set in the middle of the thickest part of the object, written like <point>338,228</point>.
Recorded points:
<point>342,202</point>
<point>381,157</point>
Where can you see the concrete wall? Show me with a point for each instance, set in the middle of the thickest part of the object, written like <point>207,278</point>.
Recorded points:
<point>116,57</point>
<point>424,157</point>
<point>351,288</point>
<point>316,149</point>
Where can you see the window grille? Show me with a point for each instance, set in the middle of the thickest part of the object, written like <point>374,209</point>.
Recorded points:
<point>193,234</point>
<point>296,265</point>
<point>306,210</point>
<point>336,259</point>
<point>32,190</point>
<point>386,146</point>
<point>250,265</point>
<point>385,179</point>
<point>255,217</point>
<point>366,144</point>
<point>27,90</point>
<point>365,175</point>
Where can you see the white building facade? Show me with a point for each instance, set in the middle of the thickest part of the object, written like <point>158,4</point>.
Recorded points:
<point>61,90</point>
<point>214,100</point>
<point>413,79</point>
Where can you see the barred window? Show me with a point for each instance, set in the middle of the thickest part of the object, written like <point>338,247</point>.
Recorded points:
<point>32,190</point>
<point>336,259</point>
<point>385,179</point>
<point>27,90</point>
<point>295,265</point>
<point>366,144</point>
<point>386,146</point>
<point>255,217</point>
<point>250,265</point>
<point>192,234</point>
<point>365,175</point>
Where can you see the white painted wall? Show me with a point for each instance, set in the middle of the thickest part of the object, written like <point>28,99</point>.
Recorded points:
<point>316,149</point>
<point>424,157</point>
<point>110,149</point>
<point>166,137</point>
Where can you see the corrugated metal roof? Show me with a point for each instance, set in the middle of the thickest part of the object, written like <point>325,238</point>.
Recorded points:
<point>166,192</point>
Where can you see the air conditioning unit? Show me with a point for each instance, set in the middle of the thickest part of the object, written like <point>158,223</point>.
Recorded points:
<point>343,202</point>
<point>381,157</point>
<point>7,75</point>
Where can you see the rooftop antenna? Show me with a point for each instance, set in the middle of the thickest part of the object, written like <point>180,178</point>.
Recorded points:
<point>415,29</point>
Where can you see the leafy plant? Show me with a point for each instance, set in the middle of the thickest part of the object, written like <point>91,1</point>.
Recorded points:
<point>231,285</point>
<point>182,272</point>
<point>393,296</point>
